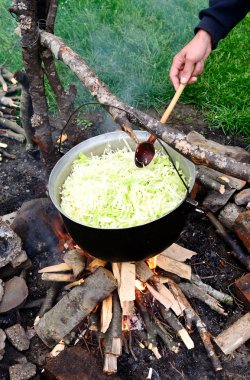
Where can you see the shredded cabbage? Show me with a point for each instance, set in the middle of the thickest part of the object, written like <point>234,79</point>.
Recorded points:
<point>109,191</point>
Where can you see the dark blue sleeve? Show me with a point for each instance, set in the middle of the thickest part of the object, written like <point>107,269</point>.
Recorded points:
<point>221,17</point>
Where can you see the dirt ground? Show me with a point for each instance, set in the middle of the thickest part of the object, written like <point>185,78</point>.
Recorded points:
<point>24,179</point>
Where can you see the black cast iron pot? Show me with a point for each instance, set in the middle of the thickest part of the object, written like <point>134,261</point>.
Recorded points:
<point>124,244</point>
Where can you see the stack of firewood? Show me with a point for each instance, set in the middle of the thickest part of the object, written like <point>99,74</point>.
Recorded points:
<point>9,111</point>
<point>129,302</point>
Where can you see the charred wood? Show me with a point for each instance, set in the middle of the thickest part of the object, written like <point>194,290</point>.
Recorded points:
<point>49,300</point>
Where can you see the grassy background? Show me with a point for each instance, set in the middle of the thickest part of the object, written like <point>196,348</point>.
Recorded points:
<point>130,45</point>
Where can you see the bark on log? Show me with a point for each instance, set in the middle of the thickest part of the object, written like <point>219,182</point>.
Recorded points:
<point>26,108</point>
<point>75,306</point>
<point>233,337</point>
<point>76,261</point>
<point>171,136</point>
<point>26,13</point>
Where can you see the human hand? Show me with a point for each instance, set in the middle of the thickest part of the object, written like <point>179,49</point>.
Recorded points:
<point>189,62</point>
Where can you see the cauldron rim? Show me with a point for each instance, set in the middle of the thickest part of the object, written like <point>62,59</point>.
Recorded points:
<point>141,134</point>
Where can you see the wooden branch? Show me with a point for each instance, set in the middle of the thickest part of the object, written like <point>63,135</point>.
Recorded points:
<point>12,135</point>
<point>193,291</point>
<point>176,325</point>
<point>235,335</point>
<point>2,81</point>
<point>75,306</point>
<point>173,137</point>
<point>220,296</point>
<point>226,180</point>
<point>50,22</point>
<point>4,123</point>
<point>237,251</point>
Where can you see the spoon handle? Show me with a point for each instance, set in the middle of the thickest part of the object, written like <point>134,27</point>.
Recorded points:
<point>172,104</point>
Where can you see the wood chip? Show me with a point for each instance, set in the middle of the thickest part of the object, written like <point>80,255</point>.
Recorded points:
<point>178,253</point>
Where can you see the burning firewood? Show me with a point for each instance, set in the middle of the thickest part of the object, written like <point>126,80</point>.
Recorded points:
<point>95,264</point>
<point>113,338</point>
<point>106,313</point>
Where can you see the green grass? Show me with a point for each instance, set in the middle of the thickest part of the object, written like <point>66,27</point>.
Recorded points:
<point>130,45</point>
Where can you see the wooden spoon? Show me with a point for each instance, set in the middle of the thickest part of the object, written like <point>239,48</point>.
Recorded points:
<point>145,151</point>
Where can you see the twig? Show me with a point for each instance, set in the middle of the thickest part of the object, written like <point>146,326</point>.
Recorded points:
<point>220,296</point>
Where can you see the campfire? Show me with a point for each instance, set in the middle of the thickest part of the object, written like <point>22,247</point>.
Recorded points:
<point>144,302</point>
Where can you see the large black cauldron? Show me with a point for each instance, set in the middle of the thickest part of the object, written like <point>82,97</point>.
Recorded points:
<point>124,244</point>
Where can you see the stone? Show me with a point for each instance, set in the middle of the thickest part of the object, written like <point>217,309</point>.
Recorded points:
<point>242,228</point>
<point>228,214</point>
<point>242,289</point>
<point>22,371</point>
<point>20,259</point>
<point>10,244</point>
<point>15,293</point>
<point>17,336</point>
<point>243,197</point>
<point>2,343</point>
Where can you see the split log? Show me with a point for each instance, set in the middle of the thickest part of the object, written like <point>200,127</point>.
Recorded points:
<point>208,181</point>
<point>236,335</point>
<point>62,267</point>
<point>179,253</point>
<point>193,291</point>
<point>179,141</point>
<point>173,266</point>
<point>76,261</point>
<point>75,306</point>
<point>126,289</point>
<point>237,251</point>
<point>58,277</point>
<point>220,296</point>
<point>214,201</point>
<point>113,338</point>
<point>106,313</point>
